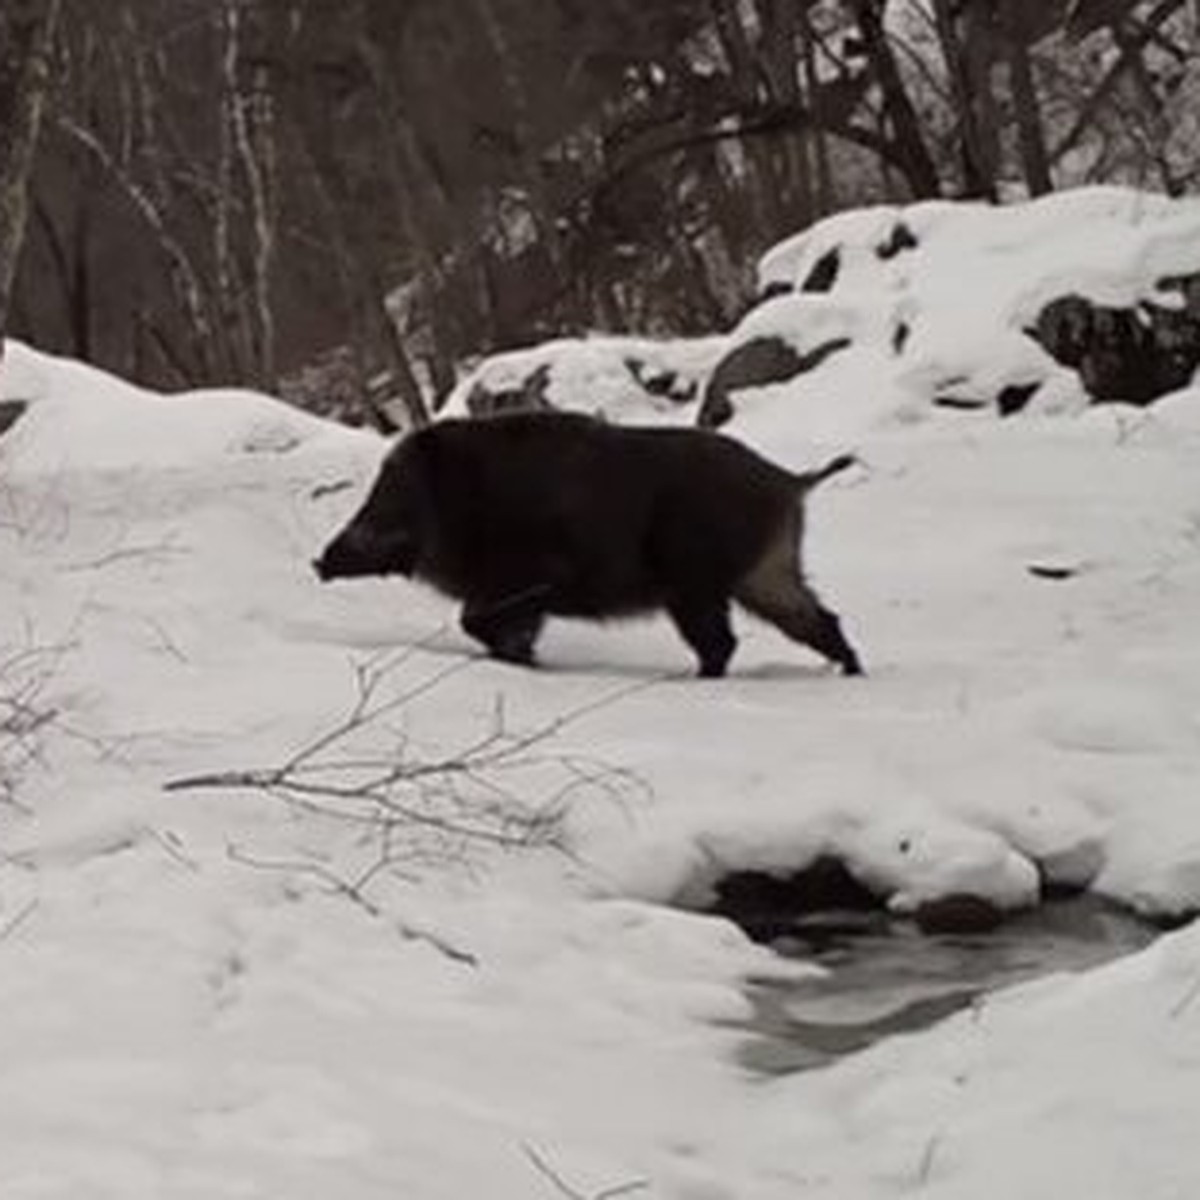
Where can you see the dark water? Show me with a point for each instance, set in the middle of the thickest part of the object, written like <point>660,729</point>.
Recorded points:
<point>885,977</point>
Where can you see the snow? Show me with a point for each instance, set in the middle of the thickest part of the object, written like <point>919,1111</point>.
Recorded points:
<point>195,1008</point>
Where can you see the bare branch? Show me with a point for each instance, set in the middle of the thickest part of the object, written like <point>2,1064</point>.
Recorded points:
<point>499,791</point>
<point>565,1189</point>
<point>1129,52</point>
<point>14,923</point>
<point>183,273</point>
<point>352,890</point>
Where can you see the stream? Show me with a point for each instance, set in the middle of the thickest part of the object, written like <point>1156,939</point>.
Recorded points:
<point>887,977</point>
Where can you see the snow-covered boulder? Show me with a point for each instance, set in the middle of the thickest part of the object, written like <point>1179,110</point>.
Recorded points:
<point>1092,294</point>
<point>624,379</point>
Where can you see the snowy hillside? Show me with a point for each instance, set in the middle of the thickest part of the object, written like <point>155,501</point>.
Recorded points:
<point>225,991</point>
<point>873,316</point>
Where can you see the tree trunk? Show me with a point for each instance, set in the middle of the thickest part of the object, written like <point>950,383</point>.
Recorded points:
<point>761,193</point>
<point>911,151</point>
<point>818,140</point>
<point>69,252</point>
<point>26,34</point>
<point>227,285</point>
<point>541,205</point>
<point>779,46</point>
<point>1035,162</point>
<point>963,68</point>
<point>181,269</point>
<point>982,45</point>
<point>252,116</point>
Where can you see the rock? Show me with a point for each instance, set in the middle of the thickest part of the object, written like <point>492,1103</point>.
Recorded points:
<point>962,403</point>
<point>777,287</point>
<point>11,412</point>
<point>665,383</point>
<point>1133,355</point>
<point>768,906</point>
<point>530,394</point>
<point>755,363</point>
<point>1054,571</point>
<point>824,273</point>
<point>961,913</point>
<point>901,238</point>
<point>1014,397</point>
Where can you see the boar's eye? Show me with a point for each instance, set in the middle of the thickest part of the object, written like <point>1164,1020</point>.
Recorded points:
<point>398,551</point>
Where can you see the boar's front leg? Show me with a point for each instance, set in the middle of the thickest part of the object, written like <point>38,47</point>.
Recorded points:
<point>704,624</point>
<point>508,628</point>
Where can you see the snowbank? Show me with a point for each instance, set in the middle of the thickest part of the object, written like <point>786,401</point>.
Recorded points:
<point>82,418</point>
<point>213,993</point>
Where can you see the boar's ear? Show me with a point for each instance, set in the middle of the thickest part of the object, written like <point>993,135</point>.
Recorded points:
<point>401,468</point>
<point>425,458</point>
<point>424,445</point>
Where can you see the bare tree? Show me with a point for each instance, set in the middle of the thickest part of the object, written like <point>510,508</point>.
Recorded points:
<point>26,36</point>
<point>250,190</point>
<point>1035,160</point>
<point>913,156</point>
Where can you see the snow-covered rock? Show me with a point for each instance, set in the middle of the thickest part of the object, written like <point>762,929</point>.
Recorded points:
<point>878,316</point>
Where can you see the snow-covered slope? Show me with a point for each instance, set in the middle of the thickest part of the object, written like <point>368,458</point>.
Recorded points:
<point>905,307</point>
<point>210,993</point>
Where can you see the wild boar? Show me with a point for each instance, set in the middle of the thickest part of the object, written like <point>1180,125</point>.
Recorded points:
<point>539,514</point>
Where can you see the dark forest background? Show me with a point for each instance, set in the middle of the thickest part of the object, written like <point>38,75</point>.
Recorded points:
<point>345,200</point>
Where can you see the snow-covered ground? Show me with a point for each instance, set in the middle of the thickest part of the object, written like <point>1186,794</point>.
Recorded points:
<point>198,1003</point>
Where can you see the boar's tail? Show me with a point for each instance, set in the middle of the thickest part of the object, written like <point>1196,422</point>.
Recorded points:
<point>808,480</point>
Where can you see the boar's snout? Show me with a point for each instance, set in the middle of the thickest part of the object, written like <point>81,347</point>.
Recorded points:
<point>349,554</point>
<point>355,553</point>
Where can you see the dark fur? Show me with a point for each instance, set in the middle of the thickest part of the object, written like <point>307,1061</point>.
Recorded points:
<point>538,514</point>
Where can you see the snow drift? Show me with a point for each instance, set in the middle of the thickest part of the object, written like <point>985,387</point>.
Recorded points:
<point>218,993</point>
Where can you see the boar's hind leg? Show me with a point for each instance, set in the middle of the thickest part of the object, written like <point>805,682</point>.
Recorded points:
<point>775,591</point>
<point>704,625</point>
<point>818,627</point>
<point>508,630</point>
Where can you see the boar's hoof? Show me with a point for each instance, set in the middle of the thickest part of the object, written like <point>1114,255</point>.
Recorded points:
<point>507,637</point>
<point>714,659</point>
<point>516,650</point>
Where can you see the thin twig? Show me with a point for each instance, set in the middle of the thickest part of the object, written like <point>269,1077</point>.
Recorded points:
<point>124,553</point>
<point>927,1157</point>
<point>23,915</point>
<point>560,1184</point>
<point>1186,1000</point>
<point>352,891</point>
